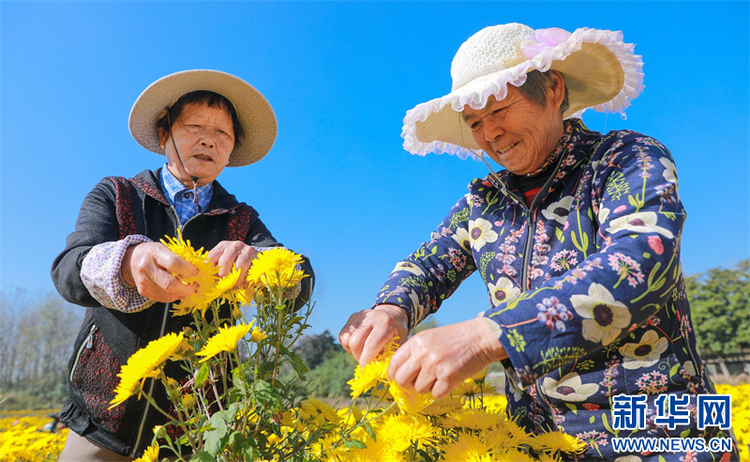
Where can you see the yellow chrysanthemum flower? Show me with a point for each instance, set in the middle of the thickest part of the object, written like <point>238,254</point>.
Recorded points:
<point>205,280</point>
<point>516,432</point>
<point>198,258</point>
<point>497,403</point>
<point>501,440</point>
<point>223,286</point>
<point>317,412</point>
<point>441,407</point>
<point>467,447</point>
<point>401,431</point>
<point>224,340</point>
<point>558,441</point>
<point>470,388</point>
<point>276,268</point>
<point>257,335</point>
<point>151,454</point>
<point>409,401</point>
<point>188,401</point>
<point>368,377</point>
<point>245,296</point>
<point>512,455</point>
<point>474,419</point>
<point>546,457</point>
<point>378,450</point>
<point>145,363</point>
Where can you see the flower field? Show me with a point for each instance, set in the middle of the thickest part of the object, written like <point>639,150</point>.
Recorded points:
<point>23,437</point>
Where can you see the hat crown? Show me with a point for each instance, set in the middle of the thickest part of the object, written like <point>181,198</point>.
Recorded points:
<point>490,50</point>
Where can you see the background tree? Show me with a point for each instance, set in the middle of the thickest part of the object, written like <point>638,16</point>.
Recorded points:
<point>313,349</point>
<point>720,305</point>
<point>38,333</point>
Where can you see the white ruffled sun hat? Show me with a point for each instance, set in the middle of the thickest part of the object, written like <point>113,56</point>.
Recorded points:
<point>253,111</point>
<point>601,72</point>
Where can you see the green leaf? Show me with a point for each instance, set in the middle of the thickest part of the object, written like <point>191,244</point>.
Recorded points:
<point>214,439</point>
<point>202,456</point>
<point>236,442</point>
<point>202,375</point>
<point>646,255</point>
<point>592,419</point>
<point>370,431</point>
<point>355,444</point>
<point>684,434</point>
<point>298,364</point>
<point>250,453</point>
<point>572,407</point>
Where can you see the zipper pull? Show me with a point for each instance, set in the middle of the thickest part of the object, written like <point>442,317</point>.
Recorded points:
<point>90,339</point>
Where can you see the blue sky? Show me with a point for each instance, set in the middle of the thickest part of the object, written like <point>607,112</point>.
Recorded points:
<point>338,186</point>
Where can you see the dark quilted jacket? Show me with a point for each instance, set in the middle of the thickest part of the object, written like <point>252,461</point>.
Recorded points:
<point>114,209</point>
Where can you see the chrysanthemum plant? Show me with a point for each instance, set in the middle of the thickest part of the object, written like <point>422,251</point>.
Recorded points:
<point>231,406</point>
<point>395,424</point>
<point>236,407</point>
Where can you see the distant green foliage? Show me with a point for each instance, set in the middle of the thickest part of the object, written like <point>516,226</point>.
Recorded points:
<point>332,374</point>
<point>314,349</point>
<point>720,305</point>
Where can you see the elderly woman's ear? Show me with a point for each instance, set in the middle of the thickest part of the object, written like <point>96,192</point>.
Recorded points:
<point>163,137</point>
<point>557,89</point>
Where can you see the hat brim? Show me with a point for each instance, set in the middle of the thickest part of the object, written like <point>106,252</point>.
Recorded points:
<point>253,111</point>
<point>601,73</point>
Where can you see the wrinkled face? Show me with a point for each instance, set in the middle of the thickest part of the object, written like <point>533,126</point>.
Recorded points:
<point>516,132</point>
<point>204,137</point>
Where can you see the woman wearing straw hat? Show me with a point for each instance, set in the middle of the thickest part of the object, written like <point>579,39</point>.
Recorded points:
<point>114,264</point>
<point>577,240</point>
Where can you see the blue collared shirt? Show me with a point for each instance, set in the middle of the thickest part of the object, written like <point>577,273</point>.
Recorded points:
<point>182,198</point>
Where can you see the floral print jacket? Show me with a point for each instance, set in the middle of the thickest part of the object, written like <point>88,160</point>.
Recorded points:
<point>585,287</point>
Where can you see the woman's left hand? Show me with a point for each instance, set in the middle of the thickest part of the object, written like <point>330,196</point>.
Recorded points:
<point>229,254</point>
<point>437,360</point>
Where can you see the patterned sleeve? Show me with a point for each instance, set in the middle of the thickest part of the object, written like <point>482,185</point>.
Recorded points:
<point>100,273</point>
<point>433,272</point>
<point>628,261</point>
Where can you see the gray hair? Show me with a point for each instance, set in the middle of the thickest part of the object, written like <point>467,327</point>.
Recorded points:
<point>536,85</point>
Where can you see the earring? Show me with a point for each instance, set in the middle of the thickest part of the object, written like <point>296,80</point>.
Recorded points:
<point>161,146</point>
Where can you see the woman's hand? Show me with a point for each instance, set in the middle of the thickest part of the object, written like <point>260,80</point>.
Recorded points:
<point>437,360</point>
<point>367,332</point>
<point>150,267</point>
<point>230,254</point>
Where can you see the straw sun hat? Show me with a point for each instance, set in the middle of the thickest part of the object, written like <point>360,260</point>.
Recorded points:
<point>601,72</point>
<point>253,111</point>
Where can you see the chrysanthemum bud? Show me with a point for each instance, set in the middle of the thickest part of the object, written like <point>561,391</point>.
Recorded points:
<point>160,431</point>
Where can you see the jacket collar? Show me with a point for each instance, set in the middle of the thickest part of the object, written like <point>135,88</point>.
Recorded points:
<point>577,151</point>
<point>149,182</point>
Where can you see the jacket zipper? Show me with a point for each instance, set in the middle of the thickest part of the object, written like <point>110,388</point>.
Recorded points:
<point>162,331</point>
<point>152,383</point>
<point>544,401</point>
<point>524,268</point>
<point>530,225</point>
<point>84,346</point>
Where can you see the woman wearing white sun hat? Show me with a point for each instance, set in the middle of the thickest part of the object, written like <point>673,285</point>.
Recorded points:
<point>577,240</point>
<point>113,264</point>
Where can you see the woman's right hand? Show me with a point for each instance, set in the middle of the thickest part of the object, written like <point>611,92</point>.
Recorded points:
<point>150,267</point>
<point>367,332</point>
